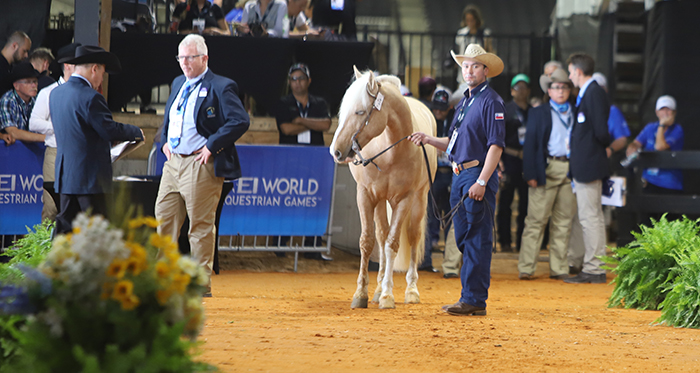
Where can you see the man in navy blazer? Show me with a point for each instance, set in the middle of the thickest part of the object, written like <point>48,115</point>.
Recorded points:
<point>84,129</point>
<point>203,119</point>
<point>545,169</point>
<point>589,163</point>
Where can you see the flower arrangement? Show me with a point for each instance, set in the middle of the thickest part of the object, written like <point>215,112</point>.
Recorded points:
<point>109,300</point>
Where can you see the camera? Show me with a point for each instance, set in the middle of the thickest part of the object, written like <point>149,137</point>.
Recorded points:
<point>256,29</point>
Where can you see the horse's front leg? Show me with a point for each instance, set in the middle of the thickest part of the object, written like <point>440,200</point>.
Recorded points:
<point>415,234</point>
<point>382,226</point>
<point>391,247</point>
<point>367,240</point>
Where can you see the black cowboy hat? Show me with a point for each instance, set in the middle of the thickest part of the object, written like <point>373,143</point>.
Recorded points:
<point>90,54</point>
<point>67,52</point>
<point>23,70</point>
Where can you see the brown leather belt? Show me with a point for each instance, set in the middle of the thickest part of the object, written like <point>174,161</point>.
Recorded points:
<point>459,167</point>
<point>513,152</point>
<point>562,158</point>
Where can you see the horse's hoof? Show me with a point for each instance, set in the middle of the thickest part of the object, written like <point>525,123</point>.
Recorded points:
<point>359,303</point>
<point>375,299</point>
<point>386,303</point>
<point>412,298</point>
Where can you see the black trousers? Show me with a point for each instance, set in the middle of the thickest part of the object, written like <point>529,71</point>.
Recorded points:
<point>510,185</point>
<point>73,204</point>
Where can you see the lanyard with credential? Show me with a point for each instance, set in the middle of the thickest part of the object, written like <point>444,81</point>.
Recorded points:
<point>462,114</point>
<point>182,104</point>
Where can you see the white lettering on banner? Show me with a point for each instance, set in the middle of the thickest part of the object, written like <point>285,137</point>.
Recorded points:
<point>7,183</point>
<point>18,198</point>
<point>291,186</point>
<point>300,201</point>
<point>28,182</point>
<point>247,185</point>
<point>251,201</point>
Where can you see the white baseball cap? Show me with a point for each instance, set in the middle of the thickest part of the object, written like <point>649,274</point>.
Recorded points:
<point>666,101</point>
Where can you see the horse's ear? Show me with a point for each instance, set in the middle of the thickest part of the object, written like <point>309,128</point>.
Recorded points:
<point>372,86</point>
<point>358,74</point>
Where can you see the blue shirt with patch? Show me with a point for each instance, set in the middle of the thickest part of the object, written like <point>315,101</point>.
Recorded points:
<point>617,125</point>
<point>482,125</point>
<point>665,178</point>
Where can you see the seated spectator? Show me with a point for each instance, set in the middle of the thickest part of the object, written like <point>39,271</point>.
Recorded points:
<point>665,134</point>
<point>40,122</point>
<point>264,18</point>
<point>16,104</point>
<point>301,119</point>
<point>335,18</point>
<point>546,168</point>
<point>198,16</point>
<point>15,50</point>
<point>41,59</point>
<point>298,22</point>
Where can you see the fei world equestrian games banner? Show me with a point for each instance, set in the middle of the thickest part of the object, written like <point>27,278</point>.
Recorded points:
<point>21,186</point>
<point>285,190</point>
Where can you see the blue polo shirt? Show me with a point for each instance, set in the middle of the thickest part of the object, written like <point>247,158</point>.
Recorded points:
<point>482,125</point>
<point>617,125</point>
<point>665,178</point>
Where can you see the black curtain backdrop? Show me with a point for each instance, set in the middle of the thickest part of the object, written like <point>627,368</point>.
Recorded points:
<point>29,16</point>
<point>258,65</point>
<point>671,59</point>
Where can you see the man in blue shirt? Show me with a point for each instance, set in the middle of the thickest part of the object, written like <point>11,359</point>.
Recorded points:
<point>665,134</point>
<point>475,147</point>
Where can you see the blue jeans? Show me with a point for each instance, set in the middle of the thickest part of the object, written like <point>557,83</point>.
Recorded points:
<point>474,235</point>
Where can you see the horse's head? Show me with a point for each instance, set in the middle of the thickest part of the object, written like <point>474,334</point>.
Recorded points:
<point>359,121</point>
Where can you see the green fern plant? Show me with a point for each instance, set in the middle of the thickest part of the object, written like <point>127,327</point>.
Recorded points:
<point>681,308</point>
<point>644,268</point>
<point>30,250</point>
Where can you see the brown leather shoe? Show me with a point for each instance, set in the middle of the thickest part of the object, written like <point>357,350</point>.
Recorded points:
<point>526,276</point>
<point>445,307</point>
<point>463,309</point>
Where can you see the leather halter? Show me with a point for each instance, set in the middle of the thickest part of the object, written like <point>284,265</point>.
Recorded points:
<point>355,145</point>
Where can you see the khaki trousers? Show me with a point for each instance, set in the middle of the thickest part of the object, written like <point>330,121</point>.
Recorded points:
<point>590,213</point>
<point>452,263</point>
<point>188,187</point>
<point>49,211</point>
<point>555,199</point>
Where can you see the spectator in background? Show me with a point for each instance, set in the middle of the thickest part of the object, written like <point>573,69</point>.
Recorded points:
<point>442,110</point>
<point>297,18</point>
<point>40,122</point>
<point>15,50</point>
<point>16,104</point>
<point>301,120</point>
<point>589,164</point>
<point>545,167</point>
<point>619,132</point>
<point>550,67</point>
<point>512,162</point>
<point>664,134</point>
<point>426,88</point>
<point>337,18</point>
<point>472,31</point>
<point>198,16</point>
<point>41,59</point>
<point>264,18</point>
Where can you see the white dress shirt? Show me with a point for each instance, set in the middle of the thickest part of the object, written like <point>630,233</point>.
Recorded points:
<point>40,119</point>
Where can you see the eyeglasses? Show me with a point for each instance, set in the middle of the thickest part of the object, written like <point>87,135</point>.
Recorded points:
<point>187,58</point>
<point>297,78</point>
<point>560,88</point>
<point>24,81</point>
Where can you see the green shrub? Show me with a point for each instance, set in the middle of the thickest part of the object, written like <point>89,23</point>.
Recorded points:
<point>681,308</point>
<point>29,251</point>
<point>644,268</point>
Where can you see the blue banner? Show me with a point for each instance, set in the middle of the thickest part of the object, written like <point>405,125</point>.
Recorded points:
<point>21,186</point>
<point>285,190</point>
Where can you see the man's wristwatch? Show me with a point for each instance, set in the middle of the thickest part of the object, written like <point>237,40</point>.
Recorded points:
<point>481,182</point>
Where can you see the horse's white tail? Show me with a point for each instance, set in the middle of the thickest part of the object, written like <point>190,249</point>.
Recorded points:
<point>403,257</point>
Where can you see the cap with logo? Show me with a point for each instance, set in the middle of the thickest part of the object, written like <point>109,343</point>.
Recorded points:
<point>666,101</point>
<point>301,67</point>
<point>441,100</point>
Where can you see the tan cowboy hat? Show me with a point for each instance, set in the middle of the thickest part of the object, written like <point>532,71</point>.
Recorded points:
<point>476,52</point>
<point>558,76</point>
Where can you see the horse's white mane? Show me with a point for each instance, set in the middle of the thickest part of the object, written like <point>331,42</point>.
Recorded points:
<point>356,97</point>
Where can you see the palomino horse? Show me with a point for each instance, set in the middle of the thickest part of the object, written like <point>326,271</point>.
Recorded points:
<point>374,116</point>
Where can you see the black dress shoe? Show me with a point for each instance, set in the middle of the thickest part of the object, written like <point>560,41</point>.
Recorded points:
<point>559,277</point>
<point>463,309</point>
<point>450,275</point>
<point>573,270</point>
<point>586,278</point>
<point>429,269</point>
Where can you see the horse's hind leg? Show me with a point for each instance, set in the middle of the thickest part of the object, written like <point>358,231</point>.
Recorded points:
<point>367,240</point>
<point>415,234</point>
<point>382,226</point>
